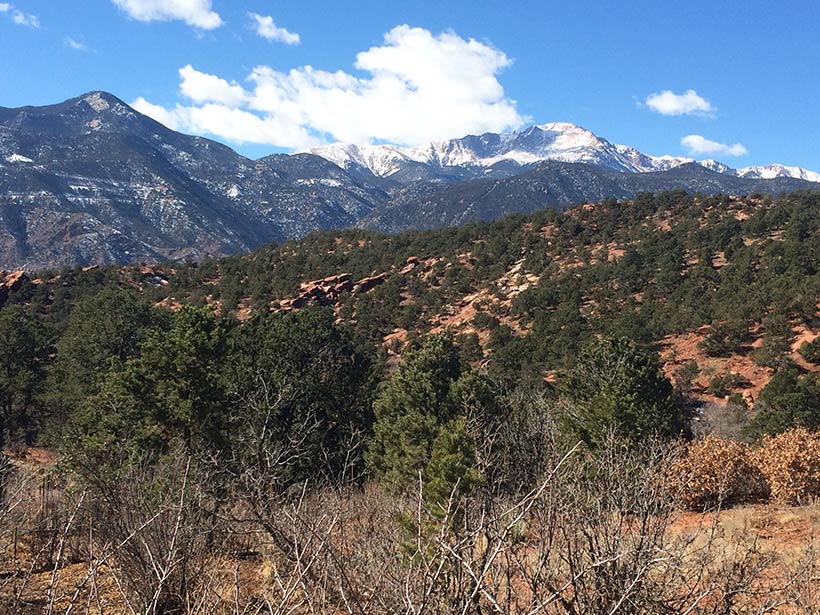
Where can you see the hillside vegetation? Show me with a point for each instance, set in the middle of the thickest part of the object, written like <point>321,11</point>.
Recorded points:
<point>488,419</point>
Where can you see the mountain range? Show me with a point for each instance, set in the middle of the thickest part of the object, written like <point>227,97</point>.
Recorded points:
<point>507,154</point>
<point>91,180</point>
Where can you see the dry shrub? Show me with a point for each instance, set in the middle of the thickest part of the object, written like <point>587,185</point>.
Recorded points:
<point>790,462</point>
<point>714,471</point>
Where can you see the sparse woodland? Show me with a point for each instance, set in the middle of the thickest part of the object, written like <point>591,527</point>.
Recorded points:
<point>499,418</point>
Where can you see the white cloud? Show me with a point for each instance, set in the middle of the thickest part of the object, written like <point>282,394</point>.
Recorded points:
<point>420,87</point>
<point>265,27</point>
<point>73,43</point>
<point>202,87</point>
<point>688,103</point>
<point>157,112</point>
<point>196,13</point>
<point>698,145</point>
<point>25,19</point>
<point>19,17</point>
<point>234,125</point>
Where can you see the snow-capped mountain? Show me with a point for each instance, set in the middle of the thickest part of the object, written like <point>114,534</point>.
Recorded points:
<point>507,154</point>
<point>91,180</point>
<point>558,141</point>
<point>717,167</point>
<point>777,170</point>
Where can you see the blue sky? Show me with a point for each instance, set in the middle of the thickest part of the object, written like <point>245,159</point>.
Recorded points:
<point>410,71</point>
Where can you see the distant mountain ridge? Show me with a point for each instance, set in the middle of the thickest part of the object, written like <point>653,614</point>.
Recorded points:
<point>559,142</point>
<point>92,181</point>
<point>427,206</point>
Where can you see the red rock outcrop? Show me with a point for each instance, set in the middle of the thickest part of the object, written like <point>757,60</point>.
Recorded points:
<point>10,281</point>
<point>319,292</point>
<point>409,265</point>
<point>366,284</point>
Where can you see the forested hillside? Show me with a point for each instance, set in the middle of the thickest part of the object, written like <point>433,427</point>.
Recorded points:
<point>731,283</point>
<point>434,391</point>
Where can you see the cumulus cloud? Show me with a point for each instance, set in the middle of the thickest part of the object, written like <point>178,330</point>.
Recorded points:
<point>232,124</point>
<point>202,88</point>
<point>265,27</point>
<point>168,117</point>
<point>688,103</point>
<point>196,13</point>
<point>698,146</point>
<point>5,7</point>
<point>419,87</point>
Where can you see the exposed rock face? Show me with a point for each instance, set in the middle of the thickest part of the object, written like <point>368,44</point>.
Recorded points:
<point>327,291</point>
<point>10,281</point>
<point>366,284</point>
<point>410,265</point>
<point>319,292</point>
<point>154,275</point>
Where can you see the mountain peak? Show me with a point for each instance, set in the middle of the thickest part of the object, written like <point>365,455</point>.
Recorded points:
<point>100,101</point>
<point>561,127</point>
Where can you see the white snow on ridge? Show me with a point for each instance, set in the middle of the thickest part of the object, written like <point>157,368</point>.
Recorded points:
<point>778,170</point>
<point>558,141</point>
<point>717,167</point>
<point>18,158</point>
<point>666,162</point>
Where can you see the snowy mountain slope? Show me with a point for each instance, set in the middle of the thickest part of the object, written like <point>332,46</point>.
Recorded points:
<point>777,170</point>
<point>518,151</point>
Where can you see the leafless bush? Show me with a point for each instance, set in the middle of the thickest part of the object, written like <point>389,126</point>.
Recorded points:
<point>716,472</point>
<point>576,531</point>
<point>153,529</point>
<point>791,464</point>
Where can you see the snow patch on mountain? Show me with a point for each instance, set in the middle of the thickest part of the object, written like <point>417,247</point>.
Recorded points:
<point>717,167</point>
<point>18,158</point>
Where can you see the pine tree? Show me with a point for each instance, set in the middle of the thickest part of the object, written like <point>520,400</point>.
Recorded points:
<point>615,386</point>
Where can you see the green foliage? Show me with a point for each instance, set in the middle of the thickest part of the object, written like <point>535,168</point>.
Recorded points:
<point>810,351</point>
<point>310,382</point>
<point>425,406</point>
<point>788,400</point>
<point>685,375</point>
<point>658,265</point>
<point>451,470</point>
<point>722,384</point>
<point>168,393</point>
<point>23,350</point>
<point>103,332</point>
<point>176,375</point>
<point>724,338</point>
<point>617,387</point>
<point>777,340</point>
